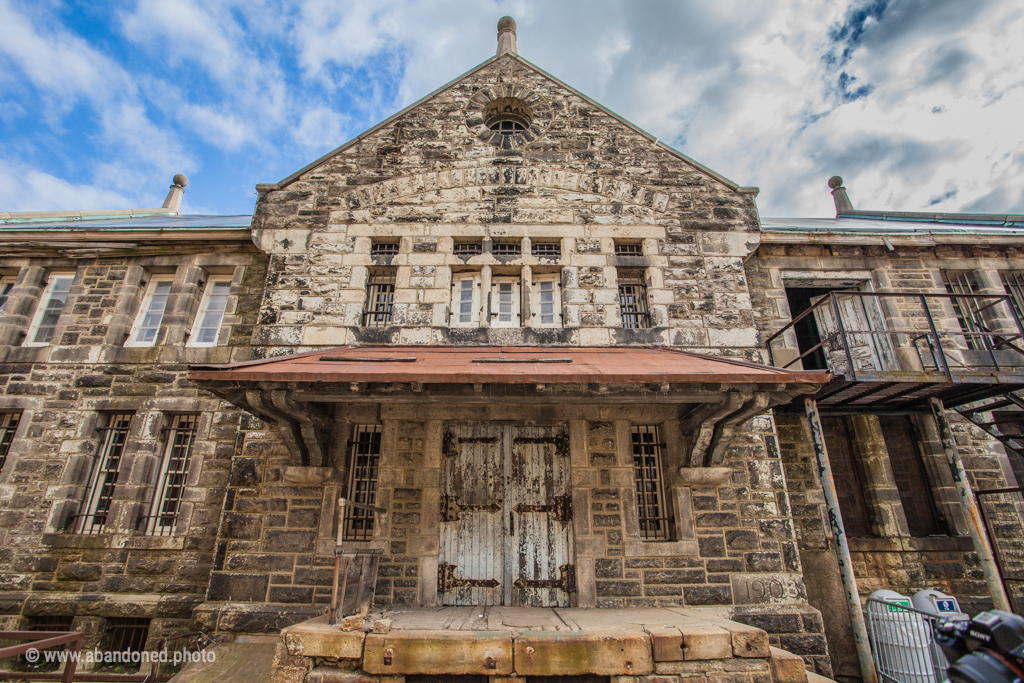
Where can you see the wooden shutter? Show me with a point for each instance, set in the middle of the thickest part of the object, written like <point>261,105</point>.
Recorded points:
<point>846,473</point>
<point>913,485</point>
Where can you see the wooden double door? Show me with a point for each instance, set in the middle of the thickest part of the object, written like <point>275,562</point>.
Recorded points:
<point>506,516</point>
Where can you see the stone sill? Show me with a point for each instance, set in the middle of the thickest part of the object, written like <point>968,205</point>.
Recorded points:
<point>93,541</point>
<point>661,548</point>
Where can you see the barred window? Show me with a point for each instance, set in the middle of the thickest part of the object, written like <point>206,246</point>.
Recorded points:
<point>1013,281</point>
<point>169,487</point>
<point>384,249</point>
<point>105,471</point>
<point>506,249</point>
<point>468,248</point>
<point>650,496</point>
<point>633,300</point>
<point>362,487</point>
<point>8,427</point>
<point>380,297</point>
<point>629,249</point>
<point>546,249</point>
<point>967,314</point>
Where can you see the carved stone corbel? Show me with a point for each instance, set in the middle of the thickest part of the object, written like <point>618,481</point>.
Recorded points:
<point>701,421</point>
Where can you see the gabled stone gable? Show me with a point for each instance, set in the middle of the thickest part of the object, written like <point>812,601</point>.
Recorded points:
<point>428,178</point>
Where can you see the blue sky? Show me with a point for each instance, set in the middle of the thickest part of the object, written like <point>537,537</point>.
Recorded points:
<point>916,103</point>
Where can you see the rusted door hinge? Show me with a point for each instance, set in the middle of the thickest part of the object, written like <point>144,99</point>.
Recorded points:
<point>567,582</point>
<point>450,508</point>
<point>561,508</point>
<point>446,580</point>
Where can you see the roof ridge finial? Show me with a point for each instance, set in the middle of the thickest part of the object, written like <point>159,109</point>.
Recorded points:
<point>842,200</point>
<point>173,201</point>
<point>507,36</point>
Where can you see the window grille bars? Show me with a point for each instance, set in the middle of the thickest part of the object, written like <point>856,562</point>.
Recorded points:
<point>380,298</point>
<point>170,483</point>
<point>384,249</point>
<point>546,249</point>
<point>107,467</point>
<point>468,248</point>
<point>967,310</point>
<point>628,249</point>
<point>364,461</point>
<point>8,427</point>
<point>650,496</point>
<point>127,634</point>
<point>507,127</point>
<point>633,301</point>
<point>1013,281</point>
<point>506,249</point>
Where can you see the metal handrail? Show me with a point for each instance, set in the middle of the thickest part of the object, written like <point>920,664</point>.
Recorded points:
<point>44,640</point>
<point>991,340</point>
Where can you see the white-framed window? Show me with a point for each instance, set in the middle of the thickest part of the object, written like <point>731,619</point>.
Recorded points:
<point>169,487</point>
<point>465,300</point>
<point>147,323</point>
<point>44,324</point>
<point>6,285</point>
<point>206,329</point>
<point>105,472</point>
<point>505,302</point>
<point>546,300</point>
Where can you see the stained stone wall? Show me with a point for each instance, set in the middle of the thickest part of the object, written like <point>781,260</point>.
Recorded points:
<point>61,390</point>
<point>427,180</point>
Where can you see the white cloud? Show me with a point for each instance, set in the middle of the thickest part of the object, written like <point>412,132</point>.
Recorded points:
<point>320,130</point>
<point>27,189</point>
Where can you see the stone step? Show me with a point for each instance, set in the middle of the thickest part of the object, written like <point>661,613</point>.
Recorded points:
<point>247,660</point>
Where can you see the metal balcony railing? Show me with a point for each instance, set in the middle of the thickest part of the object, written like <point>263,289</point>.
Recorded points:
<point>871,336</point>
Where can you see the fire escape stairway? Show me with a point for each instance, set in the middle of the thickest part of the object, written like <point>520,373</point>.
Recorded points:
<point>1005,422</point>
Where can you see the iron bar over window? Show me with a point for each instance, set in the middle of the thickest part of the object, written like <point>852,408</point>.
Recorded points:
<point>105,472</point>
<point>468,248</point>
<point>966,310</point>
<point>1013,281</point>
<point>384,249</point>
<point>362,487</point>
<point>650,496</point>
<point>170,482</point>
<point>8,426</point>
<point>127,634</point>
<point>629,249</point>
<point>380,297</point>
<point>548,249</point>
<point>633,300</point>
<point>506,249</point>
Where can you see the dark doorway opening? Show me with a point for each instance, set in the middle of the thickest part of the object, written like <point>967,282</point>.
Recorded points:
<point>807,334</point>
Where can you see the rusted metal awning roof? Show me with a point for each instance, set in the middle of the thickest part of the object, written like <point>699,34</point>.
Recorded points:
<point>502,365</point>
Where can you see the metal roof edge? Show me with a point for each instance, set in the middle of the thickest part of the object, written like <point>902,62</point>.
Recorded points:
<point>29,217</point>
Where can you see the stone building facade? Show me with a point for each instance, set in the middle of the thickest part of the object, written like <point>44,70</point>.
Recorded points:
<point>504,214</point>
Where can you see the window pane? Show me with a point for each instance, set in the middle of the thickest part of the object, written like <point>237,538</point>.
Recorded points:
<point>5,293</point>
<point>51,314</point>
<point>547,302</point>
<point>212,317</point>
<point>154,313</point>
<point>505,302</point>
<point>466,301</point>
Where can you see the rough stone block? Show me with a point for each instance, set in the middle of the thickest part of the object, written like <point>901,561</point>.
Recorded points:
<point>452,653</point>
<point>574,653</point>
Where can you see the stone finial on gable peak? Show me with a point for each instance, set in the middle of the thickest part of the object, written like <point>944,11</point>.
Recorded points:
<point>507,36</point>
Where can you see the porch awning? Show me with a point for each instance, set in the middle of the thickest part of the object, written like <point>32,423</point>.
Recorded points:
<point>715,394</point>
<point>503,365</point>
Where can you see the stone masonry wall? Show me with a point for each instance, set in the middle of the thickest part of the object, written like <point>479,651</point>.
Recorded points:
<point>46,568</point>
